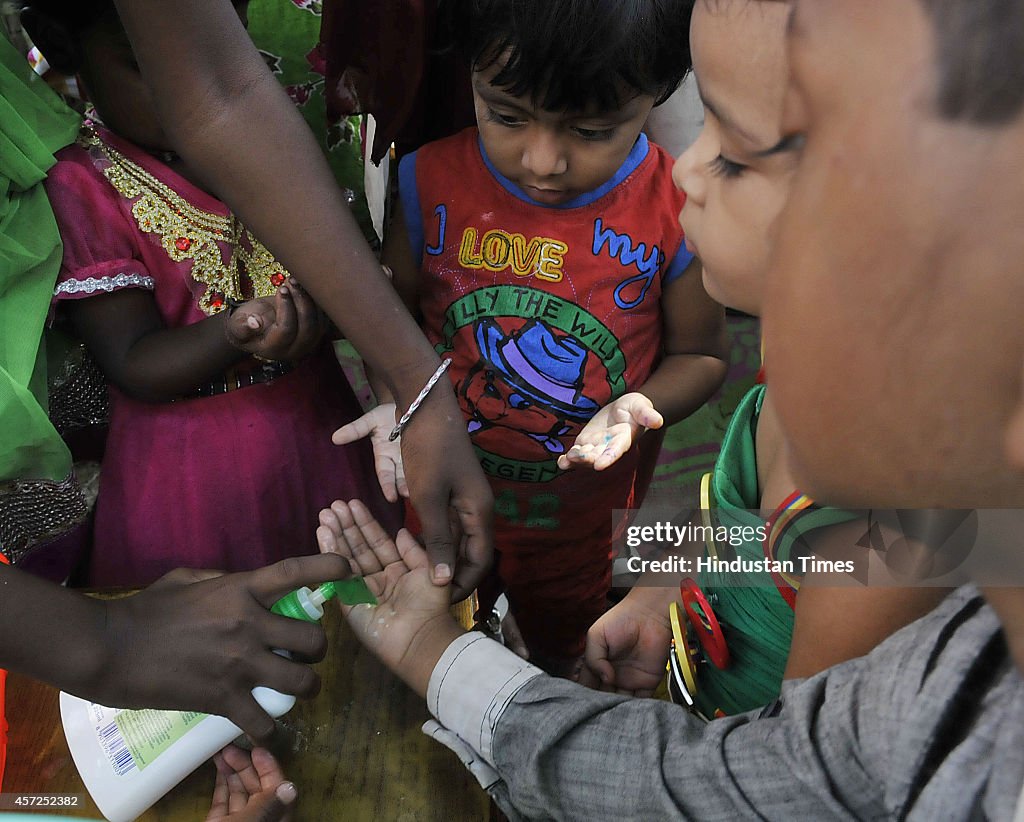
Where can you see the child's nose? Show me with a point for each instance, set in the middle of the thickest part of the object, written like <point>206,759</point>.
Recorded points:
<point>543,155</point>
<point>688,177</point>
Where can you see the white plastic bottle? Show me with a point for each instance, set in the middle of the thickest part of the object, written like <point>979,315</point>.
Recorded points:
<point>129,759</point>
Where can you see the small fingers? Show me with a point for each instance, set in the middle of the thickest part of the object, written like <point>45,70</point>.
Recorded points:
<point>400,483</point>
<point>281,334</point>
<point>355,430</point>
<point>240,762</point>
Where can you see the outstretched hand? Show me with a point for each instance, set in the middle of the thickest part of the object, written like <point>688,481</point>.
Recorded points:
<point>250,788</point>
<point>627,648</point>
<point>286,326</point>
<point>611,432</point>
<point>377,424</point>
<point>410,627</point>
<point>199,640</point>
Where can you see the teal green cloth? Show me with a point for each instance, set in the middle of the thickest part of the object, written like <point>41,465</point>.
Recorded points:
<point>758,622</point>
<point>34,123</point>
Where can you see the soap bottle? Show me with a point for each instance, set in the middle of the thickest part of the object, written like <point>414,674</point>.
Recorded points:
<point>128,759</point>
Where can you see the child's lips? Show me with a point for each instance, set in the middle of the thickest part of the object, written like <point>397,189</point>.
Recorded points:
<point>548,196</point>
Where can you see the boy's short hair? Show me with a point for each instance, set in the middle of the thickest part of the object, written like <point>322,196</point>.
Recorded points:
<point>980,58</point>
<point>569,55</point>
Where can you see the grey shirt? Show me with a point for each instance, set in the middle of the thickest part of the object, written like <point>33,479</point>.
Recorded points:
<point>928,726</point>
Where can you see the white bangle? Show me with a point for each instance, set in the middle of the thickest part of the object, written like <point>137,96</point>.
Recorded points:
<point>396,432</point>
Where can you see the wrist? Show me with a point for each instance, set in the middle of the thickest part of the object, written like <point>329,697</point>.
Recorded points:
<point>89,663</point>
<point>426,649</point>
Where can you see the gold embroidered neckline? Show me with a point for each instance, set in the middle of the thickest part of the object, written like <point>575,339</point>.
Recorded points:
<point>188,233</point>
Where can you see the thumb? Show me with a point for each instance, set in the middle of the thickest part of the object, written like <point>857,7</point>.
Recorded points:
<point>355,430</point>
<point>244,325</point>
<point>644,413</point>
<point>437,539</point>
<point>269,807</point>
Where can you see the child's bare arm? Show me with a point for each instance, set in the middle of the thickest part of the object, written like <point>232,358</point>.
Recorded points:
<point>696,348</point>
<point>152,363</point>
<point>377,424</point>
<point>693,367</point>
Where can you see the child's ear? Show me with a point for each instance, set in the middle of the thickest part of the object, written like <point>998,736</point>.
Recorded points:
<point>53,39</point>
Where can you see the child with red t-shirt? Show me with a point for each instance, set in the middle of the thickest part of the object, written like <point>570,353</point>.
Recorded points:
<point>545,257</point>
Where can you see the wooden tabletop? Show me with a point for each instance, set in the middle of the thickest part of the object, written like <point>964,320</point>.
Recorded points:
<point>355,752</point>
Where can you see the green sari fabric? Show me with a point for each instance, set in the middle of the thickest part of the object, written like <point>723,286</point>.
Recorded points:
<point>34,123</point>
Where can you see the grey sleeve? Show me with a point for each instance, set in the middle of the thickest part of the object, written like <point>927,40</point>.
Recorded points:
<point>911,727</point>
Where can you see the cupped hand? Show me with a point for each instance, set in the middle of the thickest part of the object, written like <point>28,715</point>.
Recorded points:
<point>250,788</point>
<point>611,432</point>
<point>286,326</point>
<point>199,640</point>
<point>378,424</point>
<point>410,626</point>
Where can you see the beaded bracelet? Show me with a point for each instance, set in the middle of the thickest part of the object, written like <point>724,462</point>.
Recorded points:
<point>396,432</point>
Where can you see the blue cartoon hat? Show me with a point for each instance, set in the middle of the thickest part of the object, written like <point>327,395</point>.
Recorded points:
<point>545,367</point>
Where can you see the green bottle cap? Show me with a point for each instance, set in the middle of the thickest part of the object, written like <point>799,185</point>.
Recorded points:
<point>352,591</point>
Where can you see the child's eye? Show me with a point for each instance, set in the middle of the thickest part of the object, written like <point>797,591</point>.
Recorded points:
<point>721,167</point>
<point>593,133</point>
<point>507,120</point>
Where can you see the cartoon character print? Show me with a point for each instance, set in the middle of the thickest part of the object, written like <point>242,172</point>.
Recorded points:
<point>529,382</point>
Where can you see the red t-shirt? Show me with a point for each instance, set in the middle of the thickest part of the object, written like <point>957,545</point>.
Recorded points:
<point>548,313</point>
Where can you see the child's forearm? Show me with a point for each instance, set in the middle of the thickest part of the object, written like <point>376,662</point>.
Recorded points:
<point>683,383</point>
<point>175,362</point>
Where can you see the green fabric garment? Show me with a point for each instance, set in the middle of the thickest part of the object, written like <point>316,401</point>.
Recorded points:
<point>34,123</point>
<point>757,622</point>
<point>287,32</point>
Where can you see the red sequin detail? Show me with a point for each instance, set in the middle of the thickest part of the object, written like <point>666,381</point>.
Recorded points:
<point>277,279</point>
<point>183,243</point>
<point>216,301</point>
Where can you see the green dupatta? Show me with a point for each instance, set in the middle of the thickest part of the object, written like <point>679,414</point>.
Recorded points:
<point>39,497</point>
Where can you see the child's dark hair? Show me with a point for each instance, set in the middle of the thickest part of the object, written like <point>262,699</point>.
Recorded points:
<point>57,25</point>
<point>569,55</point>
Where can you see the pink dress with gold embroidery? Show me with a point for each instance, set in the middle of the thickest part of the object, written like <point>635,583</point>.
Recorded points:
<point>234,480</point>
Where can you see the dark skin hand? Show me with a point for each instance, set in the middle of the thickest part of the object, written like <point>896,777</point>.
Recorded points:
<point>209,86</point>
<point>125,333</point>
<point>194,640</point>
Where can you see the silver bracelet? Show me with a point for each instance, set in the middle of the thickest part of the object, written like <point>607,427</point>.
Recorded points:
<point>396,432</point>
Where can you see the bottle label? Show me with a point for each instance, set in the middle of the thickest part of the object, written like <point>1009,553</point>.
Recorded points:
<point>134,739</point>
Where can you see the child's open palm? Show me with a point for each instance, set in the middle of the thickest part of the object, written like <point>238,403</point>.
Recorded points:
<point>398,573</point>
<point>611,432</point>
<point>378,424</point>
